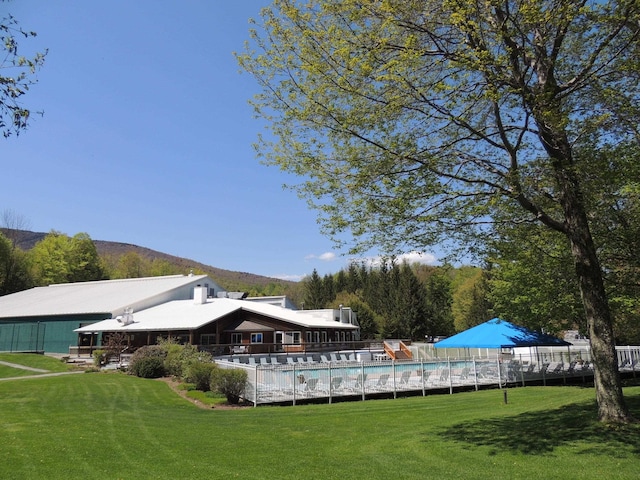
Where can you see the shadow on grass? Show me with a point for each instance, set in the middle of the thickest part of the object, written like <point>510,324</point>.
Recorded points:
<point>541,432</point>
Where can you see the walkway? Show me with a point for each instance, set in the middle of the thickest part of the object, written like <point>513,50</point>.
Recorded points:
<point>39,371</point>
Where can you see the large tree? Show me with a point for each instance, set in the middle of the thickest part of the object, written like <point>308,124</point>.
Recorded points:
<point>532,281</point>
<point>409,119</point>
<point>58,258</point>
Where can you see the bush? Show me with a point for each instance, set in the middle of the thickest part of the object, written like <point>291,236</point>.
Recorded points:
<point>229,382</point>
<point>140,362</point>
<point>99,357</point>
<point>149,367</point>
<point>200,373</point>
<point>179,357</point>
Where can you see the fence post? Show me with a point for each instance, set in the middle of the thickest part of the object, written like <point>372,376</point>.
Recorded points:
<point>255,386</point>
<point>295,387</point>
<point>363,380</point>
<point>475,373</point>
<point>450,379</point>
<point>330,383</point>
<point>499,372</point>
<point>422,375</point>
<point>395,388</point>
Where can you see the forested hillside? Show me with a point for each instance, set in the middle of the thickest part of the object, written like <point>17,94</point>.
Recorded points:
<point>124,260</point>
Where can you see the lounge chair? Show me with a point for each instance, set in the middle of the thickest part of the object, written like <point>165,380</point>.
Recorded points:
<point>309,387</point>
<point>404,378</point>
<point>336,384</point>
<point>554,368</point>
<point>381,384</point>
<point>358,384</point>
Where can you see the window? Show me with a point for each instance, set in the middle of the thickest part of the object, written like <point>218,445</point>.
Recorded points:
<point>308,336</point>
<point>316,337</point>
<point>256,338</point>
<point>292,338</point>
<point>236,338</point>
<point>324,337</point>
<point>208,339</point>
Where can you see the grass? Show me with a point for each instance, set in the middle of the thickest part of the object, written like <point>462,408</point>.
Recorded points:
<point>32,360</point>
<point>207,398</point>
<point>114,426</point>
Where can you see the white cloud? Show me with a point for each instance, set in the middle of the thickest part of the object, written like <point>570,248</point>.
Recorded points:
<point>409,257</point>
<point>289,277</point>
<point>325,257</point>
<point>418,257</point>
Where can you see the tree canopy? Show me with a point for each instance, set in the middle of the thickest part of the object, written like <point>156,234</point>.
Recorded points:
<point>414,122</point>
<point>61,259</point>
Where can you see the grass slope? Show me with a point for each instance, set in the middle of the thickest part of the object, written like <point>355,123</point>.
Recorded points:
<point>50,364</point>
<point>114,426</point>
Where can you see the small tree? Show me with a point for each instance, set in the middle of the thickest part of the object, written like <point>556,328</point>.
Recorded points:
<point>200,374</point>
<point>116,343</point>
<point>230,383</point>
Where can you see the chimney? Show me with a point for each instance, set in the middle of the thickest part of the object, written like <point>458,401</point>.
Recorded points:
<point>200,295</point>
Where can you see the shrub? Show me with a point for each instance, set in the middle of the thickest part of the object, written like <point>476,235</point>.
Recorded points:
<point>99,357</point>
<point>199,373</point>
<point>179,357</point>
<point>139,361</point>
<point>149,367</point>
<point>229,382</point>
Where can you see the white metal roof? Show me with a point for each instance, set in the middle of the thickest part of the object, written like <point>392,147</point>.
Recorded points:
<point>188,315</point>
<point>106,296</point>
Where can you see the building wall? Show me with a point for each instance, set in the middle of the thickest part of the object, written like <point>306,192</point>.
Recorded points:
<point>44,334</point>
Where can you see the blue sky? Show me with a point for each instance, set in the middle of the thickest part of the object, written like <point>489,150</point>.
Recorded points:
<point>147,137</point>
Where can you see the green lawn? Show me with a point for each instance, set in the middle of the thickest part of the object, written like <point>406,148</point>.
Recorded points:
<point>30,360</point>
<point>114,426</point>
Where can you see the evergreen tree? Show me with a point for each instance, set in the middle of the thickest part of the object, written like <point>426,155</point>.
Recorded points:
<point>353,280</point>
<point>313,292</point>
<point>439,305</point>
<point>328,290</point>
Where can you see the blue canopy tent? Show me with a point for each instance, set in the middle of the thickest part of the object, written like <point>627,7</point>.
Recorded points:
<point>499,334</point>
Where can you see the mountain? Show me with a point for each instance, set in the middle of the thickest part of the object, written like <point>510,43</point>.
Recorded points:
<point>229,279</point>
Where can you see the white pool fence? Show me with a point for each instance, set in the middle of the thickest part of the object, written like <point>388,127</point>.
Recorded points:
<point>285,379</point>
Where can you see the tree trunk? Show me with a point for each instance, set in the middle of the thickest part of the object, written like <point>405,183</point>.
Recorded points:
<point>611,405</point>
